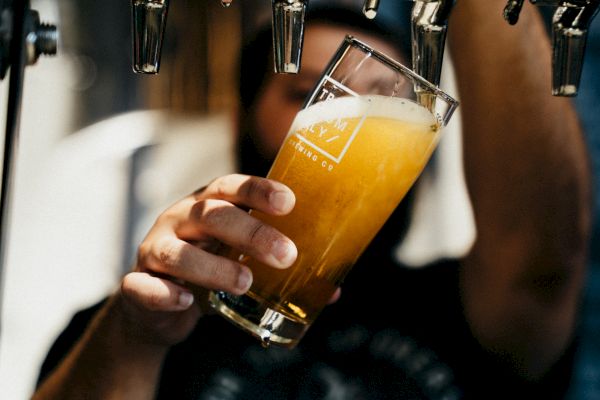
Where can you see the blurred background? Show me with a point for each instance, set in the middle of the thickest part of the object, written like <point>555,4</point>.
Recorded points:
<point>68,221</point>
<point>84,122</point>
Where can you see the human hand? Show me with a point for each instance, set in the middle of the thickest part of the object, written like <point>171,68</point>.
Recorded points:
<point>178,260</point>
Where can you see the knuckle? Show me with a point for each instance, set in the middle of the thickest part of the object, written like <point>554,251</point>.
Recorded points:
<point>214,274</point>
<point>198,209</point>
<point>214,216</point>
<point>255,188</point>
<point>127,286</point>
<point>259,234</point>
<point>198,192</point>
<point>219,186</point>
<point>220,274</point>
<point>170,254</point>
<point>154,299</point>
<point>167,216</point>
<point>143,252</point>
<point>214,271</point>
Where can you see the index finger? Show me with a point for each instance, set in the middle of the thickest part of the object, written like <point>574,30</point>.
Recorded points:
<point>261,194</point>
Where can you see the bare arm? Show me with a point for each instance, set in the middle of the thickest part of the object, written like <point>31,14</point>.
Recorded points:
<point>106,363</point>
<point>121,353</point>
<point>528,178</point>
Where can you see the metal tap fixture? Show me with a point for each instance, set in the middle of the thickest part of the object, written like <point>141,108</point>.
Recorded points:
<point>570,25</point>
<point>370,8</point>
<point>149,19</point>
<point>429,23</point>
<point>288,34</point>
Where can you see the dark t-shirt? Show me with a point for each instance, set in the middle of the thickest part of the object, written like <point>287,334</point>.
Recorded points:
<point>396,333</point>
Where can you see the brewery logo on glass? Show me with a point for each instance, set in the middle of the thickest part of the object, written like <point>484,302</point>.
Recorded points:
<point>333,134</point>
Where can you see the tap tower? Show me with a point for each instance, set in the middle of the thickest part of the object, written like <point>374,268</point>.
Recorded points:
<point>429,23</point>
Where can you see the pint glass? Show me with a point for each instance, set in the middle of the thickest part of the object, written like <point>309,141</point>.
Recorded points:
<point>362,138</point>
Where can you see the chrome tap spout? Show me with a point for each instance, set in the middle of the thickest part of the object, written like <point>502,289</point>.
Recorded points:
<point>288,34</point>
<point>429,23</point>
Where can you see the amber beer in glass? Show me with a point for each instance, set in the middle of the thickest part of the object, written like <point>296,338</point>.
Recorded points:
<point>363,137</point>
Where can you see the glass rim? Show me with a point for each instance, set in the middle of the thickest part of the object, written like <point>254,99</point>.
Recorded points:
<point>350,40</point>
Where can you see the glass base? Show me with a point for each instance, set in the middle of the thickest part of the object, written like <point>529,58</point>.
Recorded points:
<point>266,324</point>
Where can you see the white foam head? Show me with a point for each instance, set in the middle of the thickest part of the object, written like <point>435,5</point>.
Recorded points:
<point>373,106</point>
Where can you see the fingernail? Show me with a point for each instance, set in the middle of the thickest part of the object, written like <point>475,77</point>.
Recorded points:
<point>244,279</point>
<point>280,201</point>
<point>185,299</point>
<point>285,252</point>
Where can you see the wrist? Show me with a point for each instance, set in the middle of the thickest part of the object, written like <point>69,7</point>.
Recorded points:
<point>107,360</point>
<point>129,332</point>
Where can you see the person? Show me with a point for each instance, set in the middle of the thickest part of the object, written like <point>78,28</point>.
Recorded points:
<point>499,322</point>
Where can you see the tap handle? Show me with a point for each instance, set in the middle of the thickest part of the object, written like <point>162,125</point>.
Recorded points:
<point>149,19</point>
<point>288,34</point>
<point>570,25</point>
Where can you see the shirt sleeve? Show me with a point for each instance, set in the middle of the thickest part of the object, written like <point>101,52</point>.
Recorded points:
<point>67,338</point>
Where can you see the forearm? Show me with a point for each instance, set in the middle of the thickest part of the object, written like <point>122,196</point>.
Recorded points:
<point>107,363</point>
<point>527,173</point>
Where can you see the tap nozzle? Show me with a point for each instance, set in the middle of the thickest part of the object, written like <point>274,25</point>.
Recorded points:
<point>370,8</point>
<point>288,34</point>
<point>570,25</point>
<point>512,11</point>
<point>569,35</point>
<point>149,19</point>
<point>429,23</point>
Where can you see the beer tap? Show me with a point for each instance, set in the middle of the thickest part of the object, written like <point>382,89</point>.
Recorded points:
<point>370,8</point>
<point>570,25</point>
<point>288,34</point>
<point>149,19</point>
<point>429,23</point>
